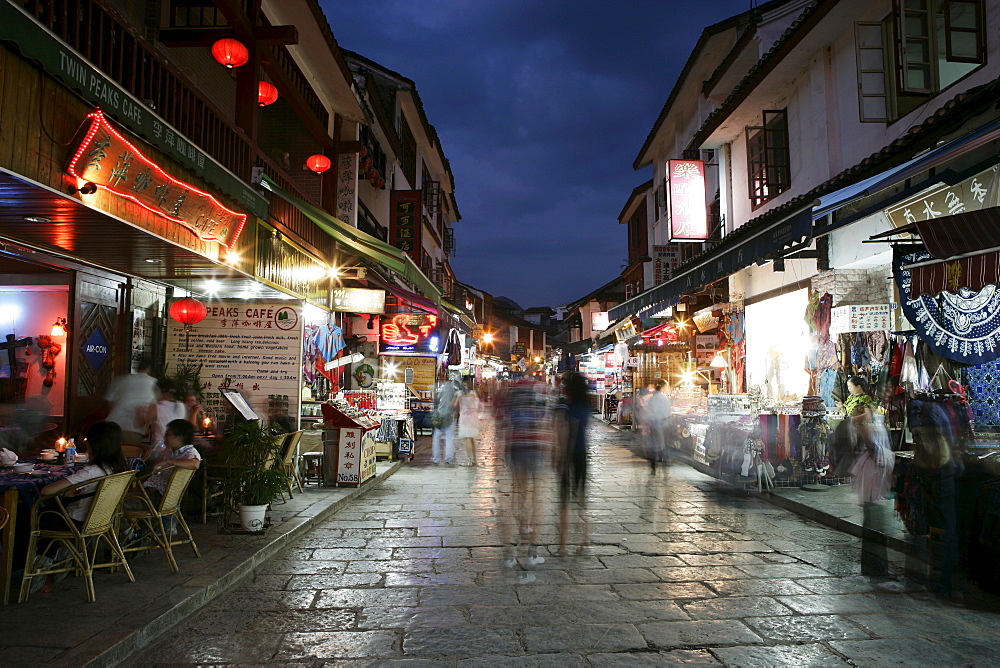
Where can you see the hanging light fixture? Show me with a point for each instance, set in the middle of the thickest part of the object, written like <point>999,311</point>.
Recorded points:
<point>59,327</point>
<point>266,93</point>
<point>718,362</point>
<point>318,163</point>
<point>188,311</point>
<point>230,52</point>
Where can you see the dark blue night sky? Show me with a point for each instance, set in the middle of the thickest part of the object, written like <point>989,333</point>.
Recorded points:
<point>541,107</point>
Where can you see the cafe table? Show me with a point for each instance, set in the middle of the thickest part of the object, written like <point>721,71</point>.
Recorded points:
<point>17,489</point>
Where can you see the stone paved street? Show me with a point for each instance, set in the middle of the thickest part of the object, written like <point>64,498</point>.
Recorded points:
<point>680,569</point>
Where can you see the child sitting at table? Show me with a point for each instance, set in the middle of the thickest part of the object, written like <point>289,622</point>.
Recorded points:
<point>179,440</point>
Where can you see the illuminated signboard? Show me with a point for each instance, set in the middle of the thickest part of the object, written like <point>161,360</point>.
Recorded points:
<point>688,212</point>
<point>111,163</point>
<point>410,334</point>
<point>404,221</point>
<point>599,321</point>
<point>358,300</point>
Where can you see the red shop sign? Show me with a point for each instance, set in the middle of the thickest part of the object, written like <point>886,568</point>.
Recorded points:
<point>112,163</point>
<point>688,212</point>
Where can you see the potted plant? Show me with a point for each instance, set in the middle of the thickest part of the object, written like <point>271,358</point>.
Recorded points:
<point>252,454</point>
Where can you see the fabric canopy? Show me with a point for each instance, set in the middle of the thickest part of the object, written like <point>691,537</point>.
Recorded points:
<point>962,233</point>
<point>974,273</point>
<point>360,242</point>
<point>769,241</point>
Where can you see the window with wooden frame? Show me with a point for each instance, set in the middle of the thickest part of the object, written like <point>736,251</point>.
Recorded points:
<point>920,49</point>
<point>768,167</point>
<point>408,150</point>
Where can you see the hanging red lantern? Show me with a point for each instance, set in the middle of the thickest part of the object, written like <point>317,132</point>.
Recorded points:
<point>266,94</point>
<point>188,311</point>
<point>318,163</point>
<point>230,52</point>
<point>379,183</point>
<point>366,163</point>
<point>362,152</point>
<point>372,174</point>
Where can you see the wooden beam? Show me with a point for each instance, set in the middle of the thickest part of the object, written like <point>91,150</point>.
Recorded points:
<point>176,37</point>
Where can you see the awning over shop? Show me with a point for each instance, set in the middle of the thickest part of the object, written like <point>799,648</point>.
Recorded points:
<point>973,272</point>
<point>458,311</point>
<point>962,233</point>
<point>412,297</point>
<point>360,242</point>
<point>890,177</point>
<point>762,244</point>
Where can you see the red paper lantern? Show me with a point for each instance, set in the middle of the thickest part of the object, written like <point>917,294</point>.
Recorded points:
<point>366,163</point>
<point>372,174</point>
<point>379,183</point>
<point>318,163</point>
<point>266,94</point>
<point>362,152</point>
<point>230,52</point>
<point>188,311</point>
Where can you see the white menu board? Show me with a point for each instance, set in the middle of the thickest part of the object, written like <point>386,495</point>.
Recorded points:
<point>252,346</point>
<point>861,318</point>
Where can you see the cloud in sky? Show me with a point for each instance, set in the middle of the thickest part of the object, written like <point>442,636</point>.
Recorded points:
<point>541,106</point>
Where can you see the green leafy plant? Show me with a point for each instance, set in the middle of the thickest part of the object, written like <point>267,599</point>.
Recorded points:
<point>252,453</point>
<point>185,380</point>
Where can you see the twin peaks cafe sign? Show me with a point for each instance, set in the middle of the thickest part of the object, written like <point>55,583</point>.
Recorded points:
<point>111,163</point>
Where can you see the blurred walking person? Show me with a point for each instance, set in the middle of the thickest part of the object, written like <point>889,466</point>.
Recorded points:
<point>133,400</point>
<point>525,421</point>
<point>657,415</point>
<point>468,421</point>
<point>573,418</point>
<point>443,420</point>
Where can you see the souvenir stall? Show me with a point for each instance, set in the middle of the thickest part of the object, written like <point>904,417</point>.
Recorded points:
<point>349,438</point>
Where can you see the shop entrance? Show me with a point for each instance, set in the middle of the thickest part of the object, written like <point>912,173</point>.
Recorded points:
<point>98,331</point>
<point>34,301</point>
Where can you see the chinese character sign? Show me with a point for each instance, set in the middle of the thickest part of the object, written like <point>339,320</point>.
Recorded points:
<point>688,212</point>
<point>110,162</point>
<point>404,222</point>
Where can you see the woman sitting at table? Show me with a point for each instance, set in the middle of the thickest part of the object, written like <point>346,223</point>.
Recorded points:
<point>104,444</point>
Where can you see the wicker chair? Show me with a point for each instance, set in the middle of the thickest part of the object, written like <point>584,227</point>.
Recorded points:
<point>83,543</point>
<point>136,450</point>
<point>289,450</point>
<point>4,516</point>
<point>149,518</point>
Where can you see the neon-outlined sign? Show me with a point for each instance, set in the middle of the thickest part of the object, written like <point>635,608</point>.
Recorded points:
<point>409,334</point>
<point>114,164</point>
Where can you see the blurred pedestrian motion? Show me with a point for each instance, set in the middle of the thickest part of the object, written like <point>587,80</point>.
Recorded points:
<point>571,460</point>
<point>468,421</point>
<point>524,421</point>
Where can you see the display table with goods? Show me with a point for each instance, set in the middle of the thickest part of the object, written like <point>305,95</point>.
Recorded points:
<point>349,438</point>
<point>752,445</point>
<point>396,434</point>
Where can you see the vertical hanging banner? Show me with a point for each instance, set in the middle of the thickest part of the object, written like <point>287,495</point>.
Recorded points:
<point>688,211</point>
<point>404,221</point>
<point>251,346</point>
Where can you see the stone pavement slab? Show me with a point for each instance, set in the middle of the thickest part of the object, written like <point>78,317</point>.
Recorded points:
<point>759,589</point>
